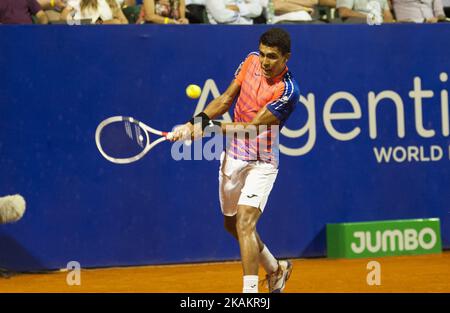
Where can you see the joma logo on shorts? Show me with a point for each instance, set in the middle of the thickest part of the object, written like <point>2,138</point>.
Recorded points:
<point>394,240</point>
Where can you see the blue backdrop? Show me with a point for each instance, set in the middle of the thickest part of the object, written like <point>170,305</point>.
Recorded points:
<point>57,83</point>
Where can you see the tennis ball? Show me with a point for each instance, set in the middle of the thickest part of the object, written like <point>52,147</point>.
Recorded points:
<point>193,91</point>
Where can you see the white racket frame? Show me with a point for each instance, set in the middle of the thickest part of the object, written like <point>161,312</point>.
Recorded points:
<point>147,129</point>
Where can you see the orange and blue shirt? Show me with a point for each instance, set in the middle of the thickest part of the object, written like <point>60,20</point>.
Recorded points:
<point>279,95</point>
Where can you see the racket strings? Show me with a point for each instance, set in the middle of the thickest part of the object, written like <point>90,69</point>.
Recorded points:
<point>128,129</point>
<point>137,133</point>
<point>139,137</point>
<point>121,142</point>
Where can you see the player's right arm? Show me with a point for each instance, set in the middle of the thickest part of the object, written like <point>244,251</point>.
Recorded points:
<point>222,104</point>
<point>215,108</point>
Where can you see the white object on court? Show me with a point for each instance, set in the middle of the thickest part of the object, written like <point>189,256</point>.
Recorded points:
<point>12,208</point>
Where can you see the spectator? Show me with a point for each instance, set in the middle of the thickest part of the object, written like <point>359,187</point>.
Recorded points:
<point>53,9</point>
<point>130,9</point>
<point>126,3</point>
<point>163,12</point>
<point>52,4</point>
<point>446,4</point>
<point>311,3</point>
<point>283,7</point>
<point>98,11</point>
<point>293,11</point>
<point>419,11</point>
<point>328,3</point>
<point>286,12</point>
<point>357,11</point>
<point>196,11</point>
<point>240,12</point>
<point>299,11</point>
<point>21,12</point>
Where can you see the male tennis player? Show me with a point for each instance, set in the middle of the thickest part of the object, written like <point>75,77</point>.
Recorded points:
<point>266,95</point>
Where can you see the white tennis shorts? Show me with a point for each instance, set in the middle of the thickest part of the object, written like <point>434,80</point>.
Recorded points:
<point>244,183</point>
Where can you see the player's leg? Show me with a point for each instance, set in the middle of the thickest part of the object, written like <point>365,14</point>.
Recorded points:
<point>246,219</point>
<point>233,174</point>
<point>230,226</point>
<point>266,259</point>
<point>255,193</point>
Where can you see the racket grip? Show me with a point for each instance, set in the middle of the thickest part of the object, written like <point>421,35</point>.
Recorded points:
<point>168,135</point>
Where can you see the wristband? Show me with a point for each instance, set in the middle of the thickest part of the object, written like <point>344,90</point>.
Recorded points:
<point>205,120</point>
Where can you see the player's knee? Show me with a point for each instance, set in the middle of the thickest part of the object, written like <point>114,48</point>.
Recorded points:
<point>245,224</point>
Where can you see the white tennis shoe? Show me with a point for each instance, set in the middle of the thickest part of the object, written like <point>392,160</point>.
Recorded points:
<point>277,280</point>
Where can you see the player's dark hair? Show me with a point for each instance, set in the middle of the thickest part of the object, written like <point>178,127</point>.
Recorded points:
<point>277,37</point>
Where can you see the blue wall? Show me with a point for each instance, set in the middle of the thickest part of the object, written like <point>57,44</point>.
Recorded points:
<point>57,83</point>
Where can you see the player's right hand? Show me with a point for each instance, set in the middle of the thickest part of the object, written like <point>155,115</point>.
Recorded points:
<point>183,132</point>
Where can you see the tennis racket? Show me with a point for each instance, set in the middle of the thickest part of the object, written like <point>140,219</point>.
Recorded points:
<point>123,139</point>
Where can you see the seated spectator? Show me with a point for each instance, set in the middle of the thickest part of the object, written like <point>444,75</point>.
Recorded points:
<point>130,9</point>
<point>238,12</point>
<point>328,3</point>
<point>283,7</point>
<point>288,11</point>
<point>311,3</point>
<point>53,9</point>
<point>21,12</point>
<point>126,3</point>
<point>196,11</point>
<point>300,11</point>
<point>446,4</point>
<point>98,11</point>
<point>326,10</point>
<point>419,11</point>
<point>163,12</point>
<point>357,11</point>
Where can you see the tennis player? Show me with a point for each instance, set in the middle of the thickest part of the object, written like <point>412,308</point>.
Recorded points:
<point>266,95</point>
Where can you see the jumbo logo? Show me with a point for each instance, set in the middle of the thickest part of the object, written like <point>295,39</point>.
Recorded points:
<point>394,240</point>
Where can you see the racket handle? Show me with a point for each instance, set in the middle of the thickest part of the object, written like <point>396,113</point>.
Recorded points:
<point>168,135</point>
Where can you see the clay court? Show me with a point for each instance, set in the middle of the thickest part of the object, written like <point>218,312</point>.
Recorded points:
<point>425,273</point>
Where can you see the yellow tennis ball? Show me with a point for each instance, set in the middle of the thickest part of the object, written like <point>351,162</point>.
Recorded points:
<point>193,91</point>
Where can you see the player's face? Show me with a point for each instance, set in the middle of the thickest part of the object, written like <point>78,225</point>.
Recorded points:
<point>272,60</point>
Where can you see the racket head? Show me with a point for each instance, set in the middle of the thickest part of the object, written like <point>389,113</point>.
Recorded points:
<point>123,140</point>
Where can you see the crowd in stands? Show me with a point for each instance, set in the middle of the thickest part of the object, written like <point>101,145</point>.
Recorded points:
<point>236,12</point>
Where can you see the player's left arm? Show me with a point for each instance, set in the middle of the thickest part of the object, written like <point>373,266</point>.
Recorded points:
<point>263,117</point>
<point>275,112</point>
